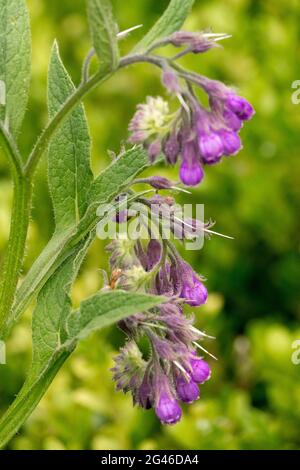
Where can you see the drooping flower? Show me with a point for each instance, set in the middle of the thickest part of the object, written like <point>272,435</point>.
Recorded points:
<point>194,292</point>
<point>172,148</point>
<point>188,390</point>
<point>200,370</point>
<point>170,80</point>
<point>197,134</point>
<point>154,251</point>
<point>192,289</point>
<point>240,106</point>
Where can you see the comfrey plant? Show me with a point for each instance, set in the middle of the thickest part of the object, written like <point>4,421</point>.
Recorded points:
<point>149,282</point>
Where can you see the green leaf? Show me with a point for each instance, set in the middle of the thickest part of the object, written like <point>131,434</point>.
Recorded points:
<point>104,32</point>
<point>170,22</point>
<point>49,317</point>
<point>104,188</point>
<point>105,309</point>
<point>69,169</point>
<point>15,61</point>
<point>57,329</point>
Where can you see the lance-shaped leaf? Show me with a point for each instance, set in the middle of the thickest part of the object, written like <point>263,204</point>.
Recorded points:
<point>171,21</point>
<point>104,309</point>
<point>70,174</point>
<point>118,175</point>
<point>104,32</point>
<point>15,61</point>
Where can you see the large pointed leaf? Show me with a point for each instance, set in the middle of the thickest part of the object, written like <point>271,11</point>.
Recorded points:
<point>70,174</point>
<point>15,61</point>
<point>171,21</point>
<point>104,32</point>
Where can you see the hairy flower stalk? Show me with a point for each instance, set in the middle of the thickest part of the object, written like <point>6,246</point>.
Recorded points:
<point>170,371</point>
<point>195,134</point>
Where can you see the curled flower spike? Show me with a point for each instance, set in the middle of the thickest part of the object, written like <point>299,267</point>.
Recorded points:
<point>197,135</point>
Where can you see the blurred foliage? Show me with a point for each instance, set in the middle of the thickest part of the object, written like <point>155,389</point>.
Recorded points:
<point>253,398</point>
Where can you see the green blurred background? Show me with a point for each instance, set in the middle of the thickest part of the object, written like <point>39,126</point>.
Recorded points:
<point>253,398</point>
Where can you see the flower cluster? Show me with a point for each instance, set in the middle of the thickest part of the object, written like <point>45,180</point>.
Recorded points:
<point>197,134</point>
<point>169,371</point>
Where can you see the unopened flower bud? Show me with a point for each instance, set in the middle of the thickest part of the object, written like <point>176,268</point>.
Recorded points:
<point>196,42</point>
<point>132,278</point>
<point>232,120</point>
<point>158,182</point>
<point>191,173</point>
<point>168,409</point>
